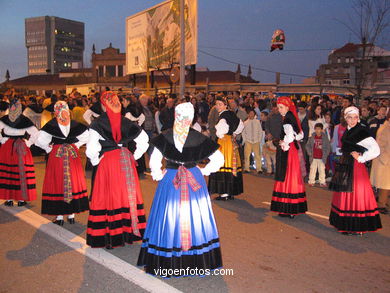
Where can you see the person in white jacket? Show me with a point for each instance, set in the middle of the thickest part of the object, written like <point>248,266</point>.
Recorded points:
<point>252,135</point>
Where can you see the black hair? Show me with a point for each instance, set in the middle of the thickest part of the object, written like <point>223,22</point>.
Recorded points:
<point>3,106</point>
<point>250,109</point>
<point>222,99</point>
<point>349,98</point>
<point>320,125</point>
<point>302,105</point>
<point>265,113</point>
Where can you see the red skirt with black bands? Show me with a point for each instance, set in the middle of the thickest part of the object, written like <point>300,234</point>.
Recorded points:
<point>53,186</point>
<point>109,221</point>
<point>356,211</point>
<point>289,196</point>
<point>10,186</point>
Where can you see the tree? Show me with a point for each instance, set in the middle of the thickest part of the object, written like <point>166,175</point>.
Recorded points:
<point>369,22</point>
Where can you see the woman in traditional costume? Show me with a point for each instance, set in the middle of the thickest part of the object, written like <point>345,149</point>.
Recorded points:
<point>227,182</point>
<point>17,172</point>
<point>117,213</point>
<point>354,209</point>
<point>181,232</point>
<point>64,187</point>
<point>288,197</point>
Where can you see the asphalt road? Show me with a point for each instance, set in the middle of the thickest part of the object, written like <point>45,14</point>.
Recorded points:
<point>266,253</point>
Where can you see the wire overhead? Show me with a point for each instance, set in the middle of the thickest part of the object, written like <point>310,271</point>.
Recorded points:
<point>258,50</point>
<point>253,68</point>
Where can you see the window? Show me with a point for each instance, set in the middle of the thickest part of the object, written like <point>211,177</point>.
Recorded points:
<point>110,71</point>
<point>346,81</point>
<point>120,70</point>
<point>338,60</point>
<point>101,71</point>
<point>347,60</point>
<point>351,60</point>
<point>327,71</point>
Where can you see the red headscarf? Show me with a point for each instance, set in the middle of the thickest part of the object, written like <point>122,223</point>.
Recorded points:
<point>291,106</point>
<point>108,99</point>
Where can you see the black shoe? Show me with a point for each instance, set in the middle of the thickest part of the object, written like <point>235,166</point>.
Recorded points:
<point>383,211</point>
<point>352,233</point>
<point>246,172</point>
<point>21,203</point>
<point>225,198</point>
<point>346,233</point>
<point>58,222</point>
<point>230,197</point>
<point>9,203</point>
<point>71,220</point>
<point>260,172</point>
<point>286,216</point>
<point>109,247</point>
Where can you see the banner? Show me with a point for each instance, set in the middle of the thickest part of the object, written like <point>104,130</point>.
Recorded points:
<point>153,37</point>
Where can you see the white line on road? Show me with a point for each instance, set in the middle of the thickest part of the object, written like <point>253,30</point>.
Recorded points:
<point>309,213</point>
<point>113,263</point>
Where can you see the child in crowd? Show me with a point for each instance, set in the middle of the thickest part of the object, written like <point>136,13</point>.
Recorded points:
<point>252,135</point>
<point>318,149</point>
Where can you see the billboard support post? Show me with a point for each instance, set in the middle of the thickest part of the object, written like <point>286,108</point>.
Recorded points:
<point>182,50</point>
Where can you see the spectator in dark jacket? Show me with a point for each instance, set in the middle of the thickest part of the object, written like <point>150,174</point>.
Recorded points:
<point>377,121</point>
<point>167,115</point>
<point>273,125</point>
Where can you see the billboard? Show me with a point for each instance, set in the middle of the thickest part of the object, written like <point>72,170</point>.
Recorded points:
<point>153,37</point>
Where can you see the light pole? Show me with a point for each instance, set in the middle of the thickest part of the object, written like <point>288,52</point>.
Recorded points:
<point>182,50</point>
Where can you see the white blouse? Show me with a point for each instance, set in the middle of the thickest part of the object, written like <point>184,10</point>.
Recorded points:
<point>88,116</point>
<point>216,162</point>
<point>140,120</point>
<point>372,152</point>
<point>290,136</point>
<point>32,131</point>
<point>222,128</point>
<point>44,139</point>
<point>94,147</point>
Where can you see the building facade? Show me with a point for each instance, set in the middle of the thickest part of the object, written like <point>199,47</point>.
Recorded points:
<point>109,65</point>
<point>53,44</point>
<point>347,67</point>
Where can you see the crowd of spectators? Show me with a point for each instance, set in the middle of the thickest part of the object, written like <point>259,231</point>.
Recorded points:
<point>321,118</point>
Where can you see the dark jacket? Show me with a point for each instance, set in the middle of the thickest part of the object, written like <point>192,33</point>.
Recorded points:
<point>273,125</point>
<point>305,128</point>
<point>325,147</point>
<point>374,125</point>
<point>167,118</point>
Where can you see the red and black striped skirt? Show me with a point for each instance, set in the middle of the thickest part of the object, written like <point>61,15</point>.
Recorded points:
<point>109,221</point>
<point>53,185</point>
<point>289,196</point>
<point>10,173</point>
<point>356,211</point>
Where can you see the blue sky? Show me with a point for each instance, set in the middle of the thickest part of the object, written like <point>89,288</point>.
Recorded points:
<point>246,24</point>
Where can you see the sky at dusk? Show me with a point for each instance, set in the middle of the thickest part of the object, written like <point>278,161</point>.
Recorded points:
<point>245,24</point>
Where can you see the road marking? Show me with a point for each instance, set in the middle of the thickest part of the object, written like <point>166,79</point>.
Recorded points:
<point>309,213</point>
<point>111,262</point>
